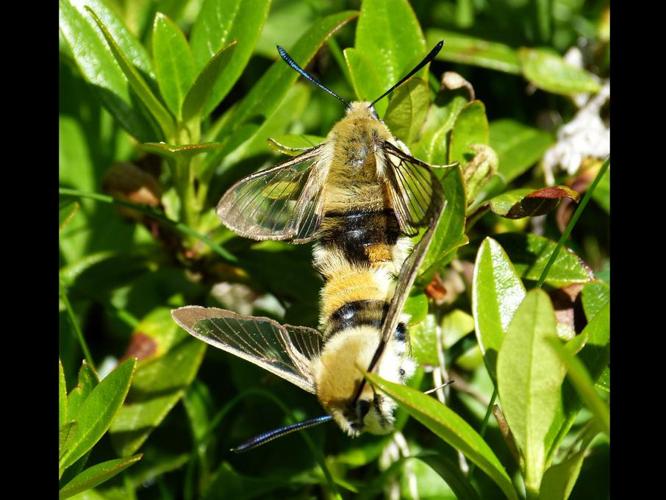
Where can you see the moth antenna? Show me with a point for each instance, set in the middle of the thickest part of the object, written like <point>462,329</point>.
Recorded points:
<point>430,391</point>
<point>287,58</point>
<point>431,55</point>
<point>266,437</point>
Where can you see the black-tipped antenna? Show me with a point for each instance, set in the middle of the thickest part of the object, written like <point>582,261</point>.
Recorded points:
<point>277,433</point>
<point>431,55</point>
<point>287,58</point>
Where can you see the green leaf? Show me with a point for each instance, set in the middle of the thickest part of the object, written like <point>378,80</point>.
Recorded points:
<point>466,49</point>
<point>595,296</point>
<point>67,431</point>
<point>559,480</point>
<point>518,146</point>
<point>423,341</point>
<point>456,325</point>
<point>99,68</point>
<point>96,474</point>
<point>450,227</point>
<point>200,92</point>
<point>530,253</point>
<point>172,151</point>
<point>219,22</point>
<point>137,82</point>
<point>416,307</point>
<point>389,42</point>
<point>548,71</point>
<point>86,382</point>
<point>158,385</point>
<point>529,378</point>
<point>526,202</point>
<point>433,147</point>
<point>173,62</point>
<point>66,212</point>
<point>450,472</point>
<point>584,385</point>
<point>239,487</point>
<point>496,294</point>
<point>97,411</point>
<point>450,427</point>
<point>294,144</point>
<point>471,127</point>
<point>407,109</point>
<point>62,395</point>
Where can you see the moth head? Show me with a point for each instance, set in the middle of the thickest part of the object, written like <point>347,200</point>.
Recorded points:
<point>339,372</point>
<point>362,109</point>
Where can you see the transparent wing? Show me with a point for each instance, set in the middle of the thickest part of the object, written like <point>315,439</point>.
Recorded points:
<point>281,203</point>
<point>414,190</point>
<point>283,350</point>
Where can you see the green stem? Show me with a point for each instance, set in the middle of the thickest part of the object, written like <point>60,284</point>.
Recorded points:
<point>572,222</point>
<point>484,426</point>
<point>151,212</point>
<point>75,325</point>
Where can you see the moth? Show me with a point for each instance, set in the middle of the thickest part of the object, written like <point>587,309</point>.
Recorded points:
<point>360,196</point>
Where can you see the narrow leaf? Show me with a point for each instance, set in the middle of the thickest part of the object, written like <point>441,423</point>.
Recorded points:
<point>560,479</point>
<point>450,427</point>
<point>526,202</point>
<point>173,62</point>
<point>471,127</point>
<point>137,82</point>
<point>450,472</point>
<point>549,71</point>
<point>86,382</point>
<point>62,395</point>
<point>496,294</point>
<point>96,474</point>
<point>466,49</point>
<point>97,411</point>
<point>66,212</point>
<point>529,379</point>
<point>218,23</point>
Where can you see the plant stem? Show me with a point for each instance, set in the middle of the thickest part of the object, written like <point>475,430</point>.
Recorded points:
<point>75,325</point>
<point>151,212</point>
<point>572,222</point>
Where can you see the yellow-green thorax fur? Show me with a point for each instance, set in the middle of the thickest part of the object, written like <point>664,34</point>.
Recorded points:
<point>359,253</point>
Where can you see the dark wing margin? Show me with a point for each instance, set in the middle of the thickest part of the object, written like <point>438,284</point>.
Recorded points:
<point>414,191</point>
<point>283,350</point>
<point>280,203</point>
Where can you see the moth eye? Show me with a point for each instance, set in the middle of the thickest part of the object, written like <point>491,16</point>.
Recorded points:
<point>363,407</point>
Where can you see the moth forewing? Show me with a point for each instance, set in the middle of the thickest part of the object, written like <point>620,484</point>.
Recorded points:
<point>272,204</point>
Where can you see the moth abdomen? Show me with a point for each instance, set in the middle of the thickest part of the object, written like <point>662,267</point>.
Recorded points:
<point>356,313</point>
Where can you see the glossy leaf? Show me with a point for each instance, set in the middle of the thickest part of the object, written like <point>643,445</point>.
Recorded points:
<point>423,341</point>
<point>62,395</point>
<point>67,431</point>
<point>595,296</point>
<point>584,385</point>
<point>471,127</point>
<point>525,202</point>
<point>158,385</point>
<point>529,377</point>
<point>466,49</point>
<point>496,294</point>
<point>218,24</point>
<point>530,253</point>
<point>450,427</point>
<point>98,66</point>
<point>267,93</point>
<point>450,227</point>
<point>518,146</point>
<point>96,474</point>
<point>456,325</point>
<point>137,82</point>
<point>173,62</point>
<point>548,71</point>
<point>86,382</point>
<point>388,43</point>
<point>96,412</point>
<point>416,307</point>
<point>407,109</point>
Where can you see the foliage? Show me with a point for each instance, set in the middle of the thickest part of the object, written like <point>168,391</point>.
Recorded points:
<point>163,105</point>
